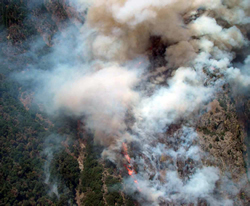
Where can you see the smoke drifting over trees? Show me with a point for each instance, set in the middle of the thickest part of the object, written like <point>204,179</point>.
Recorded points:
<point>99,72</point>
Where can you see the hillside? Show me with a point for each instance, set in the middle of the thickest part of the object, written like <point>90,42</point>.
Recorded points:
<point>100,107</point>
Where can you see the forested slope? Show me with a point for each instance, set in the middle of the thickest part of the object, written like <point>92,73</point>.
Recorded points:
<point>39,154</point>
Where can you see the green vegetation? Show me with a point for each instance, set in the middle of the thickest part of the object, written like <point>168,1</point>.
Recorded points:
<point>93,182</point>
<point>91,179</point>
<point>15,16</point>
<point>22,138</point>
<point>223,104</point>
<point>26,128</point>
<point>13,12</point>
<point>113,197</point>
<point>23,134</point>
<point>206,131</point>
<point>65,169</point>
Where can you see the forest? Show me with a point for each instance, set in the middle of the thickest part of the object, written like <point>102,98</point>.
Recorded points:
<point>38,153</point>
<point>124,103</point>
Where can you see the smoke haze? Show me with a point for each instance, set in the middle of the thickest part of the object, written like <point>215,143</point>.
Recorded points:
<point>99,74</point>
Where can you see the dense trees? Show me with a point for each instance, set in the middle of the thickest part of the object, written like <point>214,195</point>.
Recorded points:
<point>100,186</point>
<point>13,11</point>
<point>22,139</point>
<point>23,135</point>
<point>91,178</point>
<point>21,166</point>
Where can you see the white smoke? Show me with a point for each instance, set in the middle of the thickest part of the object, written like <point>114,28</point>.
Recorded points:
<point>52,146</point>
<point>240,77</point>
<point>104,90</point>
<point>202,183</point>
<point>103,97</point>
<point>166,184</point>
<point>185,94</point>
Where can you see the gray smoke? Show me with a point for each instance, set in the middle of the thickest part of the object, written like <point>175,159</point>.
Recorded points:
<point>98,73</point>
<point>52,145</point>
<point>240,77</point>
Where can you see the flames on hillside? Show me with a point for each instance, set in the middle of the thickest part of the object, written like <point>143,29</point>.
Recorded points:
<point>145,66</point>
<point>129,166</point>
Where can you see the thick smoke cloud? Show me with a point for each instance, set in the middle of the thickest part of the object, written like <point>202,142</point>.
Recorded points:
<point>240,77</point>
<point>96,76</point>
<point>185,94</point>
<point>161,183</point>
<point>131,23</point>
<point>103,97</point>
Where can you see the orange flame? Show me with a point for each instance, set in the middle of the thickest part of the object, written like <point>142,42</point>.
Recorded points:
<point>127,158</point>
<point>125,151</point>
<point>130,171</point>
<point>124,146</point>
<point>129,168</point>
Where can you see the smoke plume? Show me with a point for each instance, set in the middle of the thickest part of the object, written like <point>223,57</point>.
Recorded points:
<point>103,79</point>
<point>52,145</point>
